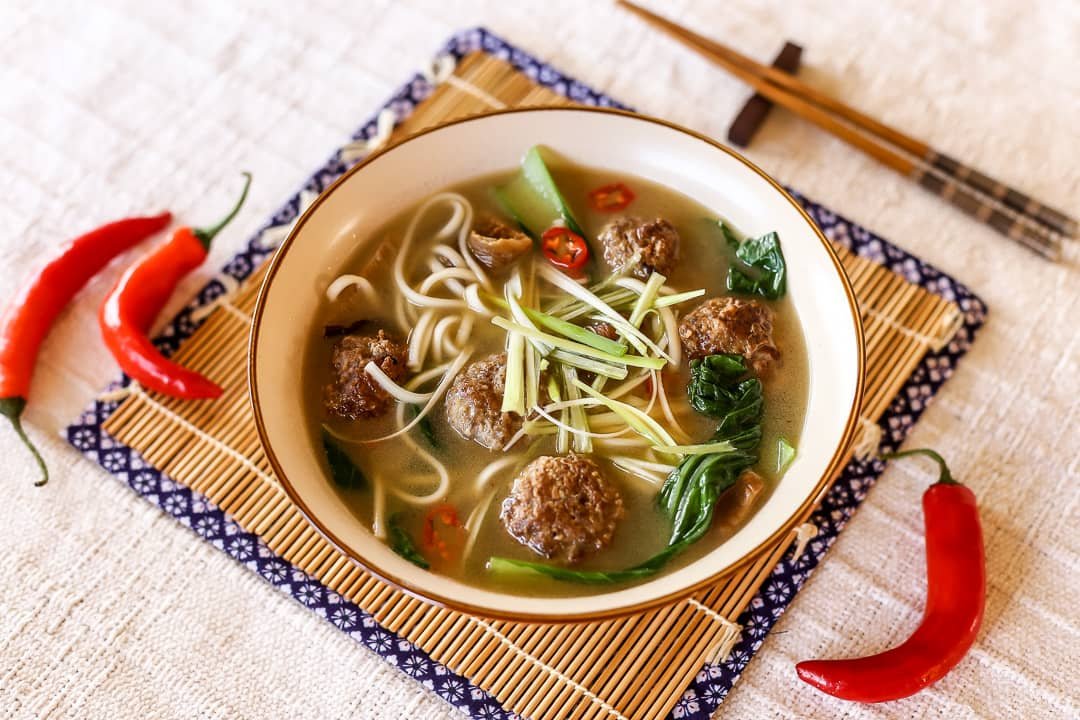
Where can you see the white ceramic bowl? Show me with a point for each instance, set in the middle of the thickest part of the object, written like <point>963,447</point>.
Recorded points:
<point>388,183</point>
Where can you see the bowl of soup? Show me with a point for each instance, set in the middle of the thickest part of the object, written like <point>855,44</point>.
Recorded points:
<point>555,364</point>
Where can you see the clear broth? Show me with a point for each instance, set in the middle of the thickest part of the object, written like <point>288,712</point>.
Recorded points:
<point>644,530</point>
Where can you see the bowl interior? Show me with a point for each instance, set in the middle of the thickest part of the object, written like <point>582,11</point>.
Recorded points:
<point>343,219</point>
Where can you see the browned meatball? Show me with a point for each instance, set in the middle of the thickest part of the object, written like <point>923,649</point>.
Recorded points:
<point>562,507</point>
<point>603,329</point>
<point>352,393</point>
<point>497,245</point>
<point>642,246</point>
<point>731,325</point>
<point>474,404</point>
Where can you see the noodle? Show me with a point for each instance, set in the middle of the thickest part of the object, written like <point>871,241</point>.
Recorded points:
<point>433,397</point>
<point>343,282</point>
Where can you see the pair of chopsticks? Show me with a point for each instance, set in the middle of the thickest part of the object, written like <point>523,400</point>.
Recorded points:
<point>1007,210</point>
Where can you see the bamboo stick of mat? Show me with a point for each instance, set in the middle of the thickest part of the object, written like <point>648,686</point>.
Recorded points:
<point>633,668</point>
<point>1007,210</point>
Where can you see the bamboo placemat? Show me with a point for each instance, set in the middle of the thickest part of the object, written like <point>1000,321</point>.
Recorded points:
<point>203,461</point>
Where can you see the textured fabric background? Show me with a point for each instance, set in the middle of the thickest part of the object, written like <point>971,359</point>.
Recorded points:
<point>124,107</point>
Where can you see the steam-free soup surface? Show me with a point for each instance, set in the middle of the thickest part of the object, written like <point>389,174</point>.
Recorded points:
<point>644,530</point>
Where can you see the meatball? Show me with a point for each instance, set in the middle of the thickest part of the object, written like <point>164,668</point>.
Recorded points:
<point>641,246</point>
<point>731,325</point>
<point>497,245</point>
<point>352,393</point>
<point>603,329</point>
<point>474,404</point>
<point>562,507</point>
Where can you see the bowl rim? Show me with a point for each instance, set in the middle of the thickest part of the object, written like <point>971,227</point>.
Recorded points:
<point>668,598</point>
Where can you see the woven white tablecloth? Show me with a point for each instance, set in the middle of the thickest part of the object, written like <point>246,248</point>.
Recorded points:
<point>109,609</point>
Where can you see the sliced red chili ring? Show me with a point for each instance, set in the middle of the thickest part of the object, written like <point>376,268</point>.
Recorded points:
<point>611,198</point>
<point>438,541</point>
<point>564,248</point>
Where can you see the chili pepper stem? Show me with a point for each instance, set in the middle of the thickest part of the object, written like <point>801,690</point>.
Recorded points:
<point>11,408</point>
<point>945,476</point>
<point>206,235</point>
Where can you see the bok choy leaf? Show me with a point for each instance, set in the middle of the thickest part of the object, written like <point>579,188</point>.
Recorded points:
<point>689,495</point>
<point>343,471</point>
<point>758,266</point>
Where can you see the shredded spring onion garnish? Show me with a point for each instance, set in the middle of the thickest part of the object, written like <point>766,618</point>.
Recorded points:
<point>705,449</point>
<point>569,377</point>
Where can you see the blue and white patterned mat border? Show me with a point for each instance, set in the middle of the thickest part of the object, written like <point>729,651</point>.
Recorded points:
<point>714,681</point>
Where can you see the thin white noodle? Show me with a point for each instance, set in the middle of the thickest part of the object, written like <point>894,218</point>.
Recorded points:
<point>627,386</point>
<point>444,276</point>
<point>454,286</point>
<point>339,285</point>
<point>420,341</point>
<point>483,478</point>
<point>404,313</point>
<point>450,255</point>
<point>464,330</point>
<point>386,383</point>
<point>424,377</point>
<point>475,521</point>
<point>436,394</point>
<point>441,490</point>
<point>513,441</point>
<point>583,433</point>
<point>378,513</point>
<point>440,343</point>
<point>462,214</point>
<point>632,468</point>
<point>474,303</point>
<point>413,384</point>
<point>494,468</point>
<point>470,261</point>
<point>657,467</point>
<point>457,219</point>
<point>655,393</point>
<point>677,430</point>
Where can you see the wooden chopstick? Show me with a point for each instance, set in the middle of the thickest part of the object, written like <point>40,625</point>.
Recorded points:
<point>1008,211</point>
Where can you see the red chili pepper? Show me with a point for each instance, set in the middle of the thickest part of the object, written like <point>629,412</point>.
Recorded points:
<point>440,542</point>
<point>955,597</point>
<point>564,248</point>
<point>611,198</point>
<point>130,309</point>
<point>32,313</point>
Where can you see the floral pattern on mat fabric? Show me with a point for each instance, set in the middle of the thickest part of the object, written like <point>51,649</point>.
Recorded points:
<point>714,681</point>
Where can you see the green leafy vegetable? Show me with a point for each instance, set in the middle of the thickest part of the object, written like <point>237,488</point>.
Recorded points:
<point>402,544</point>
<point>690,492</point>
<point>343,471</point>
<point>533,198</point>
<point>757,267</point>
<point>425,427</point>
<point>785,454</point>
<point>536,172</point>
<point>715,388</point>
